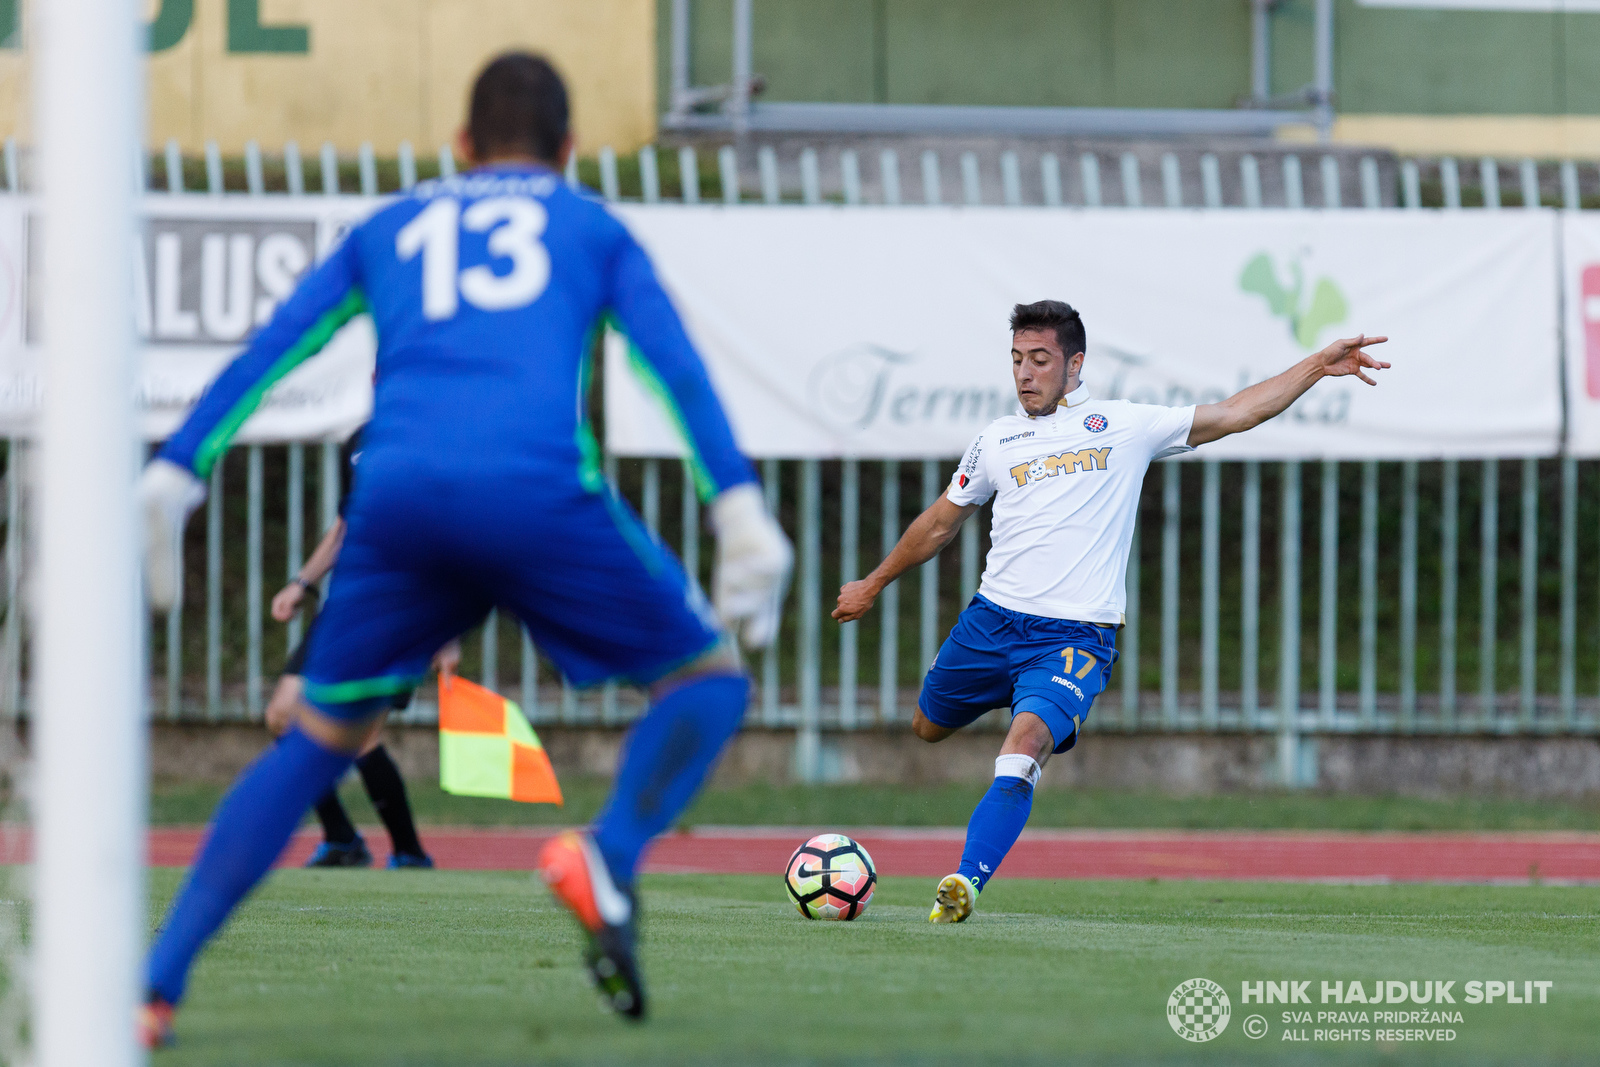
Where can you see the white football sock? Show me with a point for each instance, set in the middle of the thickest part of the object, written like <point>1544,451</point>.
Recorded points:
<point>1017,765</point>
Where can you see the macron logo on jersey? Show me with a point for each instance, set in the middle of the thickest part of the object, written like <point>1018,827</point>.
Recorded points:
<point>1088,459</point>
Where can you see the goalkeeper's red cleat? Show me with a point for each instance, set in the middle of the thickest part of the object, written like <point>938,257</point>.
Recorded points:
<point>576,873</point>
<point>155,1023</point>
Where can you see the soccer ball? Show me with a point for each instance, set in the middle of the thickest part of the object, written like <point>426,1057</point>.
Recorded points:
<point>830,877</point>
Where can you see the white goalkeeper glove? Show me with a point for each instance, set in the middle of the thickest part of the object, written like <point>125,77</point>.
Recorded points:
<point>753,561</point>
<point>168,493</point>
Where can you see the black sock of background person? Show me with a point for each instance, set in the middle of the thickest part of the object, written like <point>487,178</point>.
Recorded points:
<point>388,792</point>
<point>336,825</point>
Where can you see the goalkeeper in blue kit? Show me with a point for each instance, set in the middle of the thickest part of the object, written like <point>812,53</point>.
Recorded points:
<point>480,486</point>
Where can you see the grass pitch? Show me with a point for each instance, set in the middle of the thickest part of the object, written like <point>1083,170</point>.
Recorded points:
<point>757,804</point>
<point>467,968</point>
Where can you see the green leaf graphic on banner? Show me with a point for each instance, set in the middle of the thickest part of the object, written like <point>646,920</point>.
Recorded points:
<point>1328,305</point>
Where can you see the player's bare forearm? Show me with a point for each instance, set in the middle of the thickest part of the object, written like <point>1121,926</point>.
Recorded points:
<point>1250,407</point>
<point>324,555</point>
<point>924,538</point>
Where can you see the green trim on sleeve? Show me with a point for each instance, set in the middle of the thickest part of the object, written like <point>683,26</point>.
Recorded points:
<point>591,475</point>
<point>705,486</point>
<point>310,343</point>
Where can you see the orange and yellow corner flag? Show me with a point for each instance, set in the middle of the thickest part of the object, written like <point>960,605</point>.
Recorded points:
<point>487,748</point>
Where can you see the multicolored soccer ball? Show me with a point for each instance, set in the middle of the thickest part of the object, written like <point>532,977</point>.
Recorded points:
<point>830,877</point>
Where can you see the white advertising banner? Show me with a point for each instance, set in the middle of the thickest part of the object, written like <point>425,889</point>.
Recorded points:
<point>1580,243</point>
<point>882,332</point>
<point>207,271</point>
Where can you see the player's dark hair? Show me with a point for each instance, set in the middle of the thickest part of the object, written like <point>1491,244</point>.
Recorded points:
<point>1051,315</point>
<point>519,104</point>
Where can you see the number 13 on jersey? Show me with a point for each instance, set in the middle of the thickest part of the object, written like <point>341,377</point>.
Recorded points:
<point>514,225</point>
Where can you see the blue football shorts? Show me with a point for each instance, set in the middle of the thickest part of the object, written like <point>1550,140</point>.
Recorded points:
<point>994,657</point>
<point>421,564</point>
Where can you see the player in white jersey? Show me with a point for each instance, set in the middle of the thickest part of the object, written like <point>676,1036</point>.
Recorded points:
<point>1065,472</point>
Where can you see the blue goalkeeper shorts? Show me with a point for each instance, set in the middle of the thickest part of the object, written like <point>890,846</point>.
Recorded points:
<point>995,656</point>
<point>425,559</point>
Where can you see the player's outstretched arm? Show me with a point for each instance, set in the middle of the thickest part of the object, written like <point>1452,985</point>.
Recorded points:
<point>753,555</point>
<point>924,538</point>
<point>1250,407</point>
<point>173,485</point>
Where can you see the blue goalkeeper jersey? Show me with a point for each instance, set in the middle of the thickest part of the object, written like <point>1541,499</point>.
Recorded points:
<point>485,290</point>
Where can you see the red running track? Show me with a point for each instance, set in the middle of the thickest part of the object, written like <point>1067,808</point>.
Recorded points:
<point>1268,855</point>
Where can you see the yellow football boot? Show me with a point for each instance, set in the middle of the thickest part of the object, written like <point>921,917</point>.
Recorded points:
<point>953,900</point>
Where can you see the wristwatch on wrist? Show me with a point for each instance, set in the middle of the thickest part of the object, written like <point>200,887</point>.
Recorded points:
<point>302,583</point>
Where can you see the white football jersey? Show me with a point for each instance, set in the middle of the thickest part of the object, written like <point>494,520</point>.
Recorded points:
<point>1066,488</point>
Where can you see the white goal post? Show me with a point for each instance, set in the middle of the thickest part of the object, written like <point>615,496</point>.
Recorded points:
<point>89,798</point>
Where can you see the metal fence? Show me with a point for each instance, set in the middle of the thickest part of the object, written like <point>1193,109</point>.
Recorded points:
<point>1221,635</point>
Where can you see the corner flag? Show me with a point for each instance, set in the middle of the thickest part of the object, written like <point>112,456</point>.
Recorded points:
<point>487,748</point>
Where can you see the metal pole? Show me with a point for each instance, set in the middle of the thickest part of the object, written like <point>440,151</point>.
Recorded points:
<point>1569,589</point>
<point>490,660</point>
<point>1171,488</point>
<point>1408,595</point>
<point>1294,192</point>
<point>1050,179</point>
<point>1449,546</point>
<point>1328,605</point>
<point>11,654</point>
<point>810,177</point>
<point>254,492</point>
<point>1250,596</point>
<point>1260,49</point>
<point>678,103</point>
<point>770,486</point>
<point>1089,171</point>
<point>1289,627</point>
<point>1530,588</point>
<point>1132,190</point>
<point>889,602</point>
<point>214,594</point>
<point>930,177</point>
<point>849,571</point>
<point>89,780</point>
<point>808,741</point>
<point>727,173</point>
<point>1210,581</point>
<point>1369,594</point>
<point>530,664</point>
<point>297,526</point>
<point>530,678</point>
<point>971,185</point>
<point>889,176</point>
<point>1250,181</point>
<point>739,99</point>
<point>1322,46</point>
<point>688,175</point>
<point>651,505</point>
<point>1488,571</point>
<point>294,173</point>
<point>690,513</point>
<point>649,175</point>
<point>610,187</point>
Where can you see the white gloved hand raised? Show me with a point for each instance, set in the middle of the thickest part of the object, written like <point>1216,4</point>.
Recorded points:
<point>752,570</point>
<point>168,493</point>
